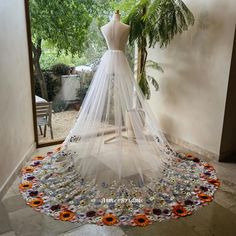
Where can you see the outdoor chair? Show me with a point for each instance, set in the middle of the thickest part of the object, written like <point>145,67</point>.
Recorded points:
<point>44,117</point>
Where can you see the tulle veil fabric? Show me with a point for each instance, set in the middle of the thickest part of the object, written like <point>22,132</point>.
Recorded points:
<point>116,136</point>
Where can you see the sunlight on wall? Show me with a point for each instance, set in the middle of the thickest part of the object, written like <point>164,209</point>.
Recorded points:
<point>191,100</point>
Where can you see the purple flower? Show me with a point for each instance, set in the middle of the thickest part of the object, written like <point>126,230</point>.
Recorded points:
<point>156,211</point>
<point>29,178</point>
<point>166,211</point>
<point>203,188</point>
<point>55,207</point>
<point>33,193</point>
<point>90,213</point>
<point>188,202</point>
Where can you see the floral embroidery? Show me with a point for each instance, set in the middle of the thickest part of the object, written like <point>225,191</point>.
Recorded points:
<point>109,219</point>
<point>36,202</point>
<point>66,215</point>
<point>187,183</point>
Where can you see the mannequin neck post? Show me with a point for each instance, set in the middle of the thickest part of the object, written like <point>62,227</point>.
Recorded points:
<point>116,16</point>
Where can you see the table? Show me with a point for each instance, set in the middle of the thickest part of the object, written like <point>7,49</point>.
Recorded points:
<point>39,99</point>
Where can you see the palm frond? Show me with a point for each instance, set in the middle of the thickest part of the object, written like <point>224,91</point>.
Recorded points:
<point>136,21</point>
<point>154,82</point>
<point>154,65</point>
<point>165,19</point>
<point>144,86</point>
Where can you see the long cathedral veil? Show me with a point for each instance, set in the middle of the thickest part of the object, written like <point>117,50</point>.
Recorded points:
<point>115,167</point>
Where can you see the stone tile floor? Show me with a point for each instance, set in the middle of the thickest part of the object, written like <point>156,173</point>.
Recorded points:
<point>217,219</point>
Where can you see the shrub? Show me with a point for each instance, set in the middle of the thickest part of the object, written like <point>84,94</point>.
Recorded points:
<point>60,69</point>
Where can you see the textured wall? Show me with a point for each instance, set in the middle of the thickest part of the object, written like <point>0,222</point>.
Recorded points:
<point>191,100</point>
<point>16,129</point>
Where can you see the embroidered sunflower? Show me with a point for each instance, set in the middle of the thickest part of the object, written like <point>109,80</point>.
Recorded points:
<point>141,220</point>
<point>109,219</point>
<point>25,186</point>
<point>38,158</point>
<point>180,210</point>
<point>36,202</point>
<point>204,197</point>
<point>215,182</point>
<point>66,215</point>
<point>208,166</point>
<point>58,149</point>
<point>27,169</point>
<point>189,156</point>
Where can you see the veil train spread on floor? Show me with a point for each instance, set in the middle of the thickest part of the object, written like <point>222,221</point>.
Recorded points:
<point>116,167</point>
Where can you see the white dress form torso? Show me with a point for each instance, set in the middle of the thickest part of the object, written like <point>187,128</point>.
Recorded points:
<point>116,33</point>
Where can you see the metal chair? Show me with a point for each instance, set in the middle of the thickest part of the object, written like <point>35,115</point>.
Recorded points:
<point>44,117</point>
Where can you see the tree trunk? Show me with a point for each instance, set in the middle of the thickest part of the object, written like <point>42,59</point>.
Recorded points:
<point>37,69</point>
<point>142,52</point>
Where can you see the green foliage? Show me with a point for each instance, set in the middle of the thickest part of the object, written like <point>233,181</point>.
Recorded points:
<point>153,82</point>
<point>165,19</point>
<point>63,24</point>
<point>159,20</point>
<point>53,85</point>
<point>143,84</point>
<point>137,22</point>
<point>152,22</point>
<point>96,44</point>
<point>81,93</point>
<point>124,6</point>
<point>60,69</point>
<point>59,105</point>
<point>51,57</point>
<point>154,65</point>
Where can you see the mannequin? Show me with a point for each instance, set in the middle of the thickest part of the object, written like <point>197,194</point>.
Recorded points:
<point>116,33</point>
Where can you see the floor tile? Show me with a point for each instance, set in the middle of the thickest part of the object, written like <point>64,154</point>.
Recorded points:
<point>5,224</point>
<point>213,220</point>
<point>165,228</point>
<point>94,230</point>
<point>11,233</point>
<point>14,203</point>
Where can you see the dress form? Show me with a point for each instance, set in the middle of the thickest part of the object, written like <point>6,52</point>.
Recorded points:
<point>116,33</point>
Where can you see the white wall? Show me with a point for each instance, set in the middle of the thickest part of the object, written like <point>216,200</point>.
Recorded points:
<point>16,122</point>
<point>191,100</point>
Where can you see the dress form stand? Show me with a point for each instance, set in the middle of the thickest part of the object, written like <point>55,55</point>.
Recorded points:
<point>118,30</point>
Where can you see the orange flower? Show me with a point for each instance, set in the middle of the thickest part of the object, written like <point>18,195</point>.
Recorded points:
<point>27,169</point>
<point>215,182</point>
<point>141,220</point>
<point>204,197</point>
<point>189,155</point>
<point>58,149</point>
<point>66,215</point>
<point>36,202</point>
<point>109,219</point>
<point>208,166</point>
<point>180,210</point>
<point>25,185</point>
<point>38,158</point>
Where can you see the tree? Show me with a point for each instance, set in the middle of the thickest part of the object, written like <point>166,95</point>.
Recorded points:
<point>62,23</point>
<point>155,21</point>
